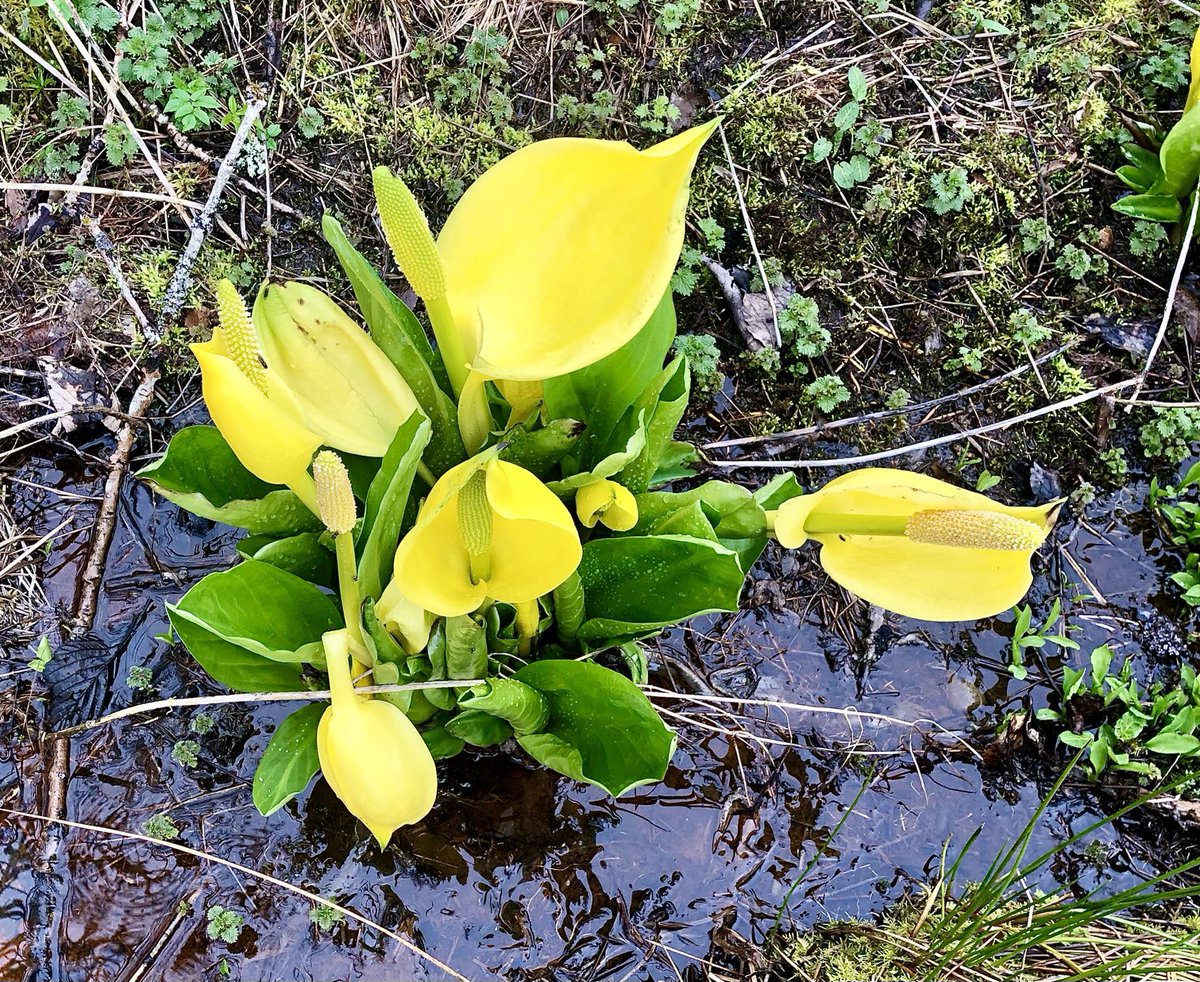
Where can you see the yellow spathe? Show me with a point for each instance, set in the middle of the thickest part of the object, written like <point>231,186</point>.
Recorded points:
<point>270,444</point>
<point>488,530</point>
<point>610,503</point>
<point>327,373</point>
<point>916,545</point>
<point>406,620</point>
<point>370,752</point>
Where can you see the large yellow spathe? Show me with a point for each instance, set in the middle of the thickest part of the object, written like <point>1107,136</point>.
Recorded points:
<point>488,530</point>
<point>916,545</point>
<point>558,255</point>
<point>370,752</point>
<point>327,373</point>
<point>270,444</point>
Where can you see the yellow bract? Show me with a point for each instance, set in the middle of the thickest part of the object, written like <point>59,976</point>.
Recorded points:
<point>327,373</point>
<point>408,621</point>
<point>269,442</point>
<point>488,530</point>
<point>370,752</point>
<point>916,545</point>
<point>553,259</point>
<point>608,502</point>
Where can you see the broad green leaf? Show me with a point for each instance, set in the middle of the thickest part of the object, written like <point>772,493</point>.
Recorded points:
<point>523,709</point>
<point>776,491</point>
<point>466,648</point>
<point>304,554</point>
<point>602,730</point>
<point>857,82</point>
<point>401,337</point>
<point>441,743</point>
<point>1076,740</point>
<point>675,463</point>
<point>234,666</point>
<point>290,760</point>
<point>600,394</point>
<point>1173,743</point>
<point>608,467</point>
<point>664,402</point>
<point>688,519</point>
<point>1101,660</point>
<point>733,513</point>
<point>636,585</point>
<point>1135,177</point>
<point>387,499</point>
<point>1179,156</point>
<point>1151,207</point>
<point>200,474</point>
<point>260,608</point>
<point>478,728</point>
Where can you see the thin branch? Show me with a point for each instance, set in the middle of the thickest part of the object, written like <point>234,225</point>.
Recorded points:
<point>1170,304</point>
<point>177,291</point>
<point>935,442</point>
<point>316,898</point>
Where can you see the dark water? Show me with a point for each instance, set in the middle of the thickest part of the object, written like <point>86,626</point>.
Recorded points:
<point>517,872</point>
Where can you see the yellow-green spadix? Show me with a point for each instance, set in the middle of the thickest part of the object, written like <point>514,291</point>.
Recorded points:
<point>916,545</point>
<point>552,259</point>
<point>370,752</point>
<point>488,530</point>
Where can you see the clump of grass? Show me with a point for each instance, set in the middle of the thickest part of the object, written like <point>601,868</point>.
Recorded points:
<point>1003,928</point>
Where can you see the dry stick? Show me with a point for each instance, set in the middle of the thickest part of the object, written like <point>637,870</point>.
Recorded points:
<point>178,289</point>
<point>935,442</point>
<point>248,871</point>
<point>106,517</point>
<point>737,187</point>
<point>304,695</point>
<point>107,250</point>
<point>919,407</point>
<point>1166,317</point>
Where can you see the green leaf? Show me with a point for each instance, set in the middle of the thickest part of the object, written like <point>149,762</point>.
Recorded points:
<point>524,709</point>
<point>776,491</point>
<point>733,514</point>
<point>478,728</point>
<point>674,463</point>
<point>663,402</point>
<point>304,554</point>
<point>636,585</point>
<point>846,117</point>
<point>857,82</point>
<point>466,648</point>
<point>387,499</point>
<point>441,743</point>
<point>1135,177</point>
<point>602,729</point>
<point>600,394</point>
<point>1179,156</point>
<point>1173,743</point>
<point>1151,207</point>
<point>401,337</point>
<point>1076,740</point>
<point>1101,661</point>
<point>201,474</point>
<point>266,614</point>
<point>290,760</point>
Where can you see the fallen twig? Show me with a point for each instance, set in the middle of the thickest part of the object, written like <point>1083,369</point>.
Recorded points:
<point>1169,306</point>
<point>85,609</point>
<point>107,250</point>
<point>248,871</point>
<point>872,417</point>
<point>935,442</point>
<point>177,290</point>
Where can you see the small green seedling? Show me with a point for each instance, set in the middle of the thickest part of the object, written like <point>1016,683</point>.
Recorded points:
<point>1026,636</point>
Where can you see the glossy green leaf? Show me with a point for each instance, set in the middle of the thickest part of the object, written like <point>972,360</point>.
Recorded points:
<point>401,337</point>
<point>524,709</point>
<point>201,474</point>
<point>269,614</point>
<point>775,492</point>
<point>636,585</point>
<point>478,728</point>
<point>441,743</point>
<point>387,501</point>
<point>1137,178</point>
<point>1151,207</point>
<point>600,394</point>
<point>675,463</point>
<point>1173,743</point>
<point>1179,156</point>
<point>290,761</point>
<point>540,449</point>
<point>234,666</point>
<point>305,555</point>
<point>602,729</point>
<point>733,514</point>
<point>664,402</point>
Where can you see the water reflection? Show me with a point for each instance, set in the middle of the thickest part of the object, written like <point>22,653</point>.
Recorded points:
<point>517,872</point>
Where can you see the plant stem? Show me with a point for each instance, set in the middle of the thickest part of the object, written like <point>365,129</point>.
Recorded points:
<point>450,342</point>
<point>528,616</point>
<point>351,597</point>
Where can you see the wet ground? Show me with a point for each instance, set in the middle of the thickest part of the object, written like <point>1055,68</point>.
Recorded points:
<point>518,872</point>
